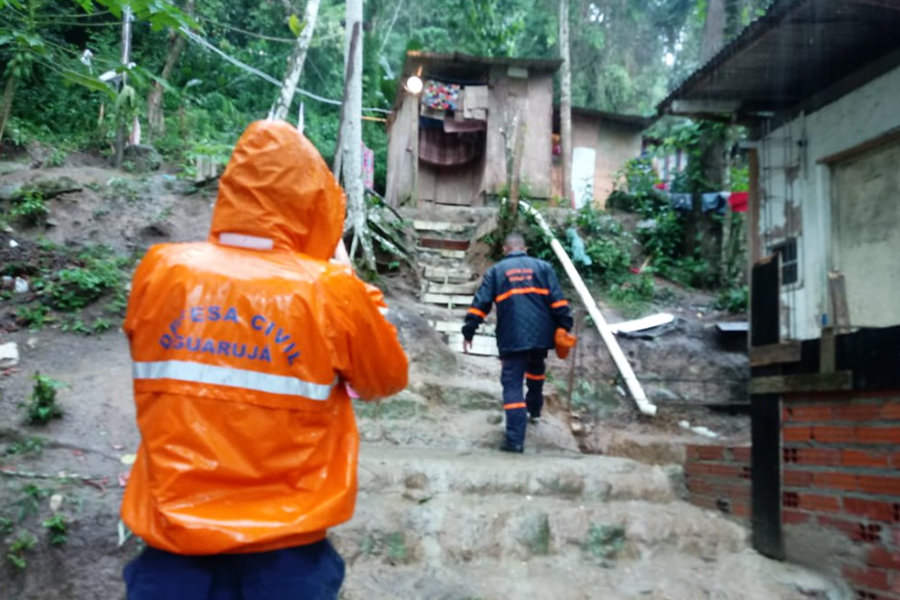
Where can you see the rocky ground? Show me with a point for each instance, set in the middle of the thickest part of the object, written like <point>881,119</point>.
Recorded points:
<point>441,514</point>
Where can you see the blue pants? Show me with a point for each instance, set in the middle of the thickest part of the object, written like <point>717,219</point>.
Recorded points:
<point>313,572</point>
<point>531,367</point>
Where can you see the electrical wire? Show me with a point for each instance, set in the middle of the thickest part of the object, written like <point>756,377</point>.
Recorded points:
<point>266,77</point>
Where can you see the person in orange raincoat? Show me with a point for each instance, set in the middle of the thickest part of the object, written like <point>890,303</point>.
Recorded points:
<point>244,347</point>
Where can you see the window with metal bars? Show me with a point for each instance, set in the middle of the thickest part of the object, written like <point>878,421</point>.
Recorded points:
<point>790,263</point>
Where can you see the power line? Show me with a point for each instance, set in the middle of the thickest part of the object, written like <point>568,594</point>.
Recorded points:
<point>199,40</point>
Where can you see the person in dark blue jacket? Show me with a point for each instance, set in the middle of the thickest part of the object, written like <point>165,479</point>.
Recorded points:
<point>530,309</point>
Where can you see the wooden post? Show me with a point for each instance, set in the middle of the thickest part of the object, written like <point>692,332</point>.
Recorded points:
<point>122,122</point>
<point>565,103</point>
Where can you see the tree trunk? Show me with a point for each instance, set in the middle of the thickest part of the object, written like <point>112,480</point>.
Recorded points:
<point>713,30</point>
<point>565,103</point>
<point>9,92</point>
<point>352,138</point>
<point>155,117</point>
<point>122,123</point>
<point>282,105</point>
<point>348,78</point>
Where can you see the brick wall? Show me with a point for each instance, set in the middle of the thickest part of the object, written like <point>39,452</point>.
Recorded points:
<point>841,473</point>
<point>718,478</point>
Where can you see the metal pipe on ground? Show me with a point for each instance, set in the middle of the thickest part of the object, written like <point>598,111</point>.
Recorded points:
<point>631,382</point>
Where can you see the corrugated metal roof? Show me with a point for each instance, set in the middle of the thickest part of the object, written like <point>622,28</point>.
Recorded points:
<point>416,58</point>
<point>796,50</point>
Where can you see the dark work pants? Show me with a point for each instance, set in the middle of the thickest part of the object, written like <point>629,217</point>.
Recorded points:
<point>529,366</point>
<point>313,572</point>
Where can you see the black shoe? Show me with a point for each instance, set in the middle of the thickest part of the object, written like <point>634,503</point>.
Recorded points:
<point>507,447</point>
<point>534,420</point>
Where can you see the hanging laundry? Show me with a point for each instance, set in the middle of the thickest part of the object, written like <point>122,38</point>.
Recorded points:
<point>738,201</point>
<point>443,96</point>
<point>714,202</point>
<point>474,104</point>
<point>682,202</point>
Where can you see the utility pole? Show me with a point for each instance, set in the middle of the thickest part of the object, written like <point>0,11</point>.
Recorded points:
<point>565,102</point>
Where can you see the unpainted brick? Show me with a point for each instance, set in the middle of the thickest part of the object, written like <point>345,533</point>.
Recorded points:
<point>795,478</point>
<point>815,412</point>
<point>871,509</point>
<point>825,457</point>
<point>884,558</point>
<point>861,458</point>
<point>842,481</point>
<point>857,412</point>
<point>868,577</point>
<point>834,434</point>
<point>794,517</point>
<point>796,434</point>
<point>881,485</point>
<point>741,453</point>
<point>878,435</point>
<point>891,410</point>
<point>819,503</point>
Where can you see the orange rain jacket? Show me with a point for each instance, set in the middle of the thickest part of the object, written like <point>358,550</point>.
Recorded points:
<point>249,441</point>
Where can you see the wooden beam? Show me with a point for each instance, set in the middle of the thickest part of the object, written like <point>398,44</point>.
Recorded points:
<point>840,312</point>
<point>889,4</point>
<point>788,384</point>
<point>693,107</point>
<point>469,287</point>
<point>753,207</point>
<point>827,353</point>
<point>775,354</point>
<point>882,140</point>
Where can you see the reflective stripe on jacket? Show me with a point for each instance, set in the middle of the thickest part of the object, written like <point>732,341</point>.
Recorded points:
<point>530,304</point>
<point>248,438</point>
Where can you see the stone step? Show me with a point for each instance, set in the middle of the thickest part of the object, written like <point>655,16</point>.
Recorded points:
<point>482,345</point>
<point>454,254</point>
<point>469,287</point>
<point>485,329</point>
<point>453,528</point>
<point>435,472</point>
<point>441,226</point>
<point>385,569</point>
<point>447,299</point>
<point>441,274</point>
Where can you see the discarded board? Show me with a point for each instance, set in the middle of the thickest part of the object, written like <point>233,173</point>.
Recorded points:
<point>816,382</point>
<point>9,355</point>
<point>447,299</point>
<point>442,226</point>
<point>641,324</point>
<point>481,345</point>
<point>775,354</point>
<point>734,327</point>
<point>443,244</point>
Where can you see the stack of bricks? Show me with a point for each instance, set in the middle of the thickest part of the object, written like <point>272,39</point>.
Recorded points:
<point>841,471</point>
<point>718,478</point>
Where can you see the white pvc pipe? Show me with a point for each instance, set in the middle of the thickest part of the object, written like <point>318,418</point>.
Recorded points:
<point>634,386</point>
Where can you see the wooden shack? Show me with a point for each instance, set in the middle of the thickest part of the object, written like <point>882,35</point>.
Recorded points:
<point>453,142</point>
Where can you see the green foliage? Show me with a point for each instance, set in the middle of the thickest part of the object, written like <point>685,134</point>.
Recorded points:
<point>57,527</point>
<point>76,287</point>
<point>733,300</point>
<point>396,546</point>
<point>33,316</point>
<point>41,407</point>
<point>605,542</point>
<point>740,179</point>
<point>15,554</point>
<point>6,525</point>
<point>30,208</point>
<point>30,446</point>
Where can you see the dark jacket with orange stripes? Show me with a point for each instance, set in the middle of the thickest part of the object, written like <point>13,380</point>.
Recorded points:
<point>530,304</point>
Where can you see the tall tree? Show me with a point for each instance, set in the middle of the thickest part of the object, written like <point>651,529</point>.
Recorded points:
<point>304,32</point>
<point>565,101</point>
<point>352,138</point>
<point>714,29</point>
<point>155,117</point>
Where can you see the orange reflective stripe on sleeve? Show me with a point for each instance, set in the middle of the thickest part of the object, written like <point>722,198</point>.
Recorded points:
<point>535,377</point>
<point>477,312</point>
<point>519,291</point>
<point>514,406</point>
<point>559,303</point>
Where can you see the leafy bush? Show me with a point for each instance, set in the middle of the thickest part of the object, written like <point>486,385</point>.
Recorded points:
<point>42,407</point>
<point>33,316</point>
<point>57,527</point>
<point>30,208</point>
<point>733,300</point>
<point>76,287</point>
<point>15,554</point>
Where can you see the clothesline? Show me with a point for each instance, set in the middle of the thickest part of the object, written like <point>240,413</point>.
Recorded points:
<point>266,77</point>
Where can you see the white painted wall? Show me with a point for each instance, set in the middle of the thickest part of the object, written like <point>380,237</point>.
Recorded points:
<point>796,198</point>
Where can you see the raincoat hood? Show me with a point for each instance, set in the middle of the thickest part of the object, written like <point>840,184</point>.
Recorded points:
<point>277,187</point>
